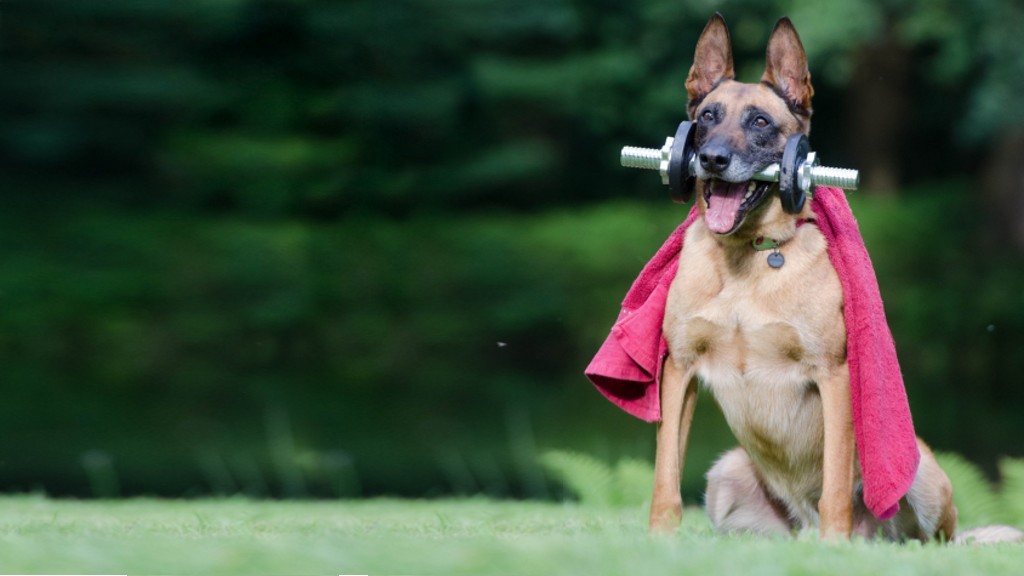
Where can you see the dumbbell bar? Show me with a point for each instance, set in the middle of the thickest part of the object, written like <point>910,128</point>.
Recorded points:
<point>651,159</point>
<point>802,176</point>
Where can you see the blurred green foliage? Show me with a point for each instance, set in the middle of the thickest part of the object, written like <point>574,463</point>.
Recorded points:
<point>288,247</point>
<point>593,482</point>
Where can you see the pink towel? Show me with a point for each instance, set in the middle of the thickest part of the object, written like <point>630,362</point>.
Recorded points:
<point>627,368</point>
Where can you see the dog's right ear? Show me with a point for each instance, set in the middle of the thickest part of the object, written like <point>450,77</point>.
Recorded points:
<point>712,62</point>
<point>786,67</point>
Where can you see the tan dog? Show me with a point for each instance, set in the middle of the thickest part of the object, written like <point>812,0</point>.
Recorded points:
<point>769,343</point>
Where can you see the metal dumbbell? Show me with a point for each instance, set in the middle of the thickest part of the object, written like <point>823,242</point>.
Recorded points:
<point>797,174</point>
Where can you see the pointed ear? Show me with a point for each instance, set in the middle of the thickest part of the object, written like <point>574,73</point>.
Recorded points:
<point>712,61</point>
<point>786,66</point>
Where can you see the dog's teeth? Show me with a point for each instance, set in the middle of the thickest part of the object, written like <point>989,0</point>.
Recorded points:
<point>750,191</point>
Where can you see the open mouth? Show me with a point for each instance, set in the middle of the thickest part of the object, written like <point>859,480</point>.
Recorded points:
<point>730,202</point>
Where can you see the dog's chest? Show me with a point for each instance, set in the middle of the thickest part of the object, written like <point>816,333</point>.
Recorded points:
<point>759,338</point>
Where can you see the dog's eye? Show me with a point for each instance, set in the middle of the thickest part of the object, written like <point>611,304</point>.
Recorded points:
<point>761,122</point>
<point>707,116</point>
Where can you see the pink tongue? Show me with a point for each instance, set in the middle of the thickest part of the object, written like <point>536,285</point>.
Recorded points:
<point>723,205</point>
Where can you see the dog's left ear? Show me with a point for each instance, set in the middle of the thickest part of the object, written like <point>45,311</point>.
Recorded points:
<point>712,62</point>
<point>786,66</point>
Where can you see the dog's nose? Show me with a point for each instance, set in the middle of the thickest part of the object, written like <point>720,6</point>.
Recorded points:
<point>715,158</point>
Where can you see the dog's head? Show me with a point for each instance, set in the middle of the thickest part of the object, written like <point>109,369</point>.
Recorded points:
<point>742,128</point>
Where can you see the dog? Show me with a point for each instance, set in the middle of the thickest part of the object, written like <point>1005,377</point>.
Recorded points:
<point>769,344</point>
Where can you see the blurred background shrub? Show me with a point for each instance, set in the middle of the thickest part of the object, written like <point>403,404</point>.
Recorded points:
<point>342,248</point>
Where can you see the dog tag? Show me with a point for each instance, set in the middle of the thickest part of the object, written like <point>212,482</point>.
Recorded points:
<point>776,259</point>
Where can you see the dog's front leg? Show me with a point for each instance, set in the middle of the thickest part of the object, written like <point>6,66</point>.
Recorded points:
<point>835,508</point>
<point>678,398</point>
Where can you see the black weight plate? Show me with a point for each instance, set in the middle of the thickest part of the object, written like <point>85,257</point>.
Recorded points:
<point>792,196</point>
<point>680,182</point>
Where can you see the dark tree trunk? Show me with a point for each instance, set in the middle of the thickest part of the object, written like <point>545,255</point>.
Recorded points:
<point>877,112</point>
<point>1003,182</point>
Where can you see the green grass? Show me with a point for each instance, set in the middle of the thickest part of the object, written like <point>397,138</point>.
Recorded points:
<point>470,536</point>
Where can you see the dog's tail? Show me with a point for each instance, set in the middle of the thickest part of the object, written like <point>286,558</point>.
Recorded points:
<point>995,534</point>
